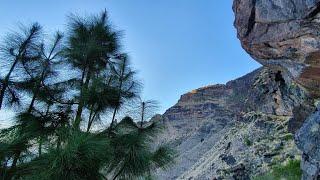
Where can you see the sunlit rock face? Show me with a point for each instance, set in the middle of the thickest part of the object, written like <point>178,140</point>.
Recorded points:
<point>284,33</point>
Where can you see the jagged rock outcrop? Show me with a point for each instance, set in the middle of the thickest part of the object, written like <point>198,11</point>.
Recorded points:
<point>284,33</point>
<point>233,131</point>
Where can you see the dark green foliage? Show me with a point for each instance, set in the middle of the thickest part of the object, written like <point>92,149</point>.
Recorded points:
<point>247,141</point>
<point>290,171</point>
<point>56,134</point>
<point>134,156</point>
<point>82,157</point>
<point>126,153</point>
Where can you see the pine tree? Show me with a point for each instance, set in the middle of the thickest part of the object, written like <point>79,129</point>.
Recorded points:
<point>90,46</point>
<point>49,139</point>
<point>147,109</point>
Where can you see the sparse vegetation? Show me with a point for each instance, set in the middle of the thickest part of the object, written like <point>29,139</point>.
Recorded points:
<point>287,137</point>
<point>289,171</point>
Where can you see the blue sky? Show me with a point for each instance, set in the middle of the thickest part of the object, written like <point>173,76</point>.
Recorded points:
<point>176,45</point>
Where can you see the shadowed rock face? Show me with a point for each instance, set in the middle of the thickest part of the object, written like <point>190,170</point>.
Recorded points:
<point>284,33</point>
<point>308,140</point>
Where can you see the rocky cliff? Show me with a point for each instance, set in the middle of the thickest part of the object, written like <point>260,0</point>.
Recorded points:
<point>285,34</point>
<point>234,131</point>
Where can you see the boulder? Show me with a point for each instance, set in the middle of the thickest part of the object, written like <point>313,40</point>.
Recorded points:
<point>308,140</point>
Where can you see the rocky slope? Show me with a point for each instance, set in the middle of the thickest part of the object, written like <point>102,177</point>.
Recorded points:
<point>234,131</point>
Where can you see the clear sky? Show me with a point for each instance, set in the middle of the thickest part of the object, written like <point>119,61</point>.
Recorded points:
<point>176,45</point>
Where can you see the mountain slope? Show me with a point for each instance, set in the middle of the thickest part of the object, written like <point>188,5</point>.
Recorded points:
<point>235,130</point>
